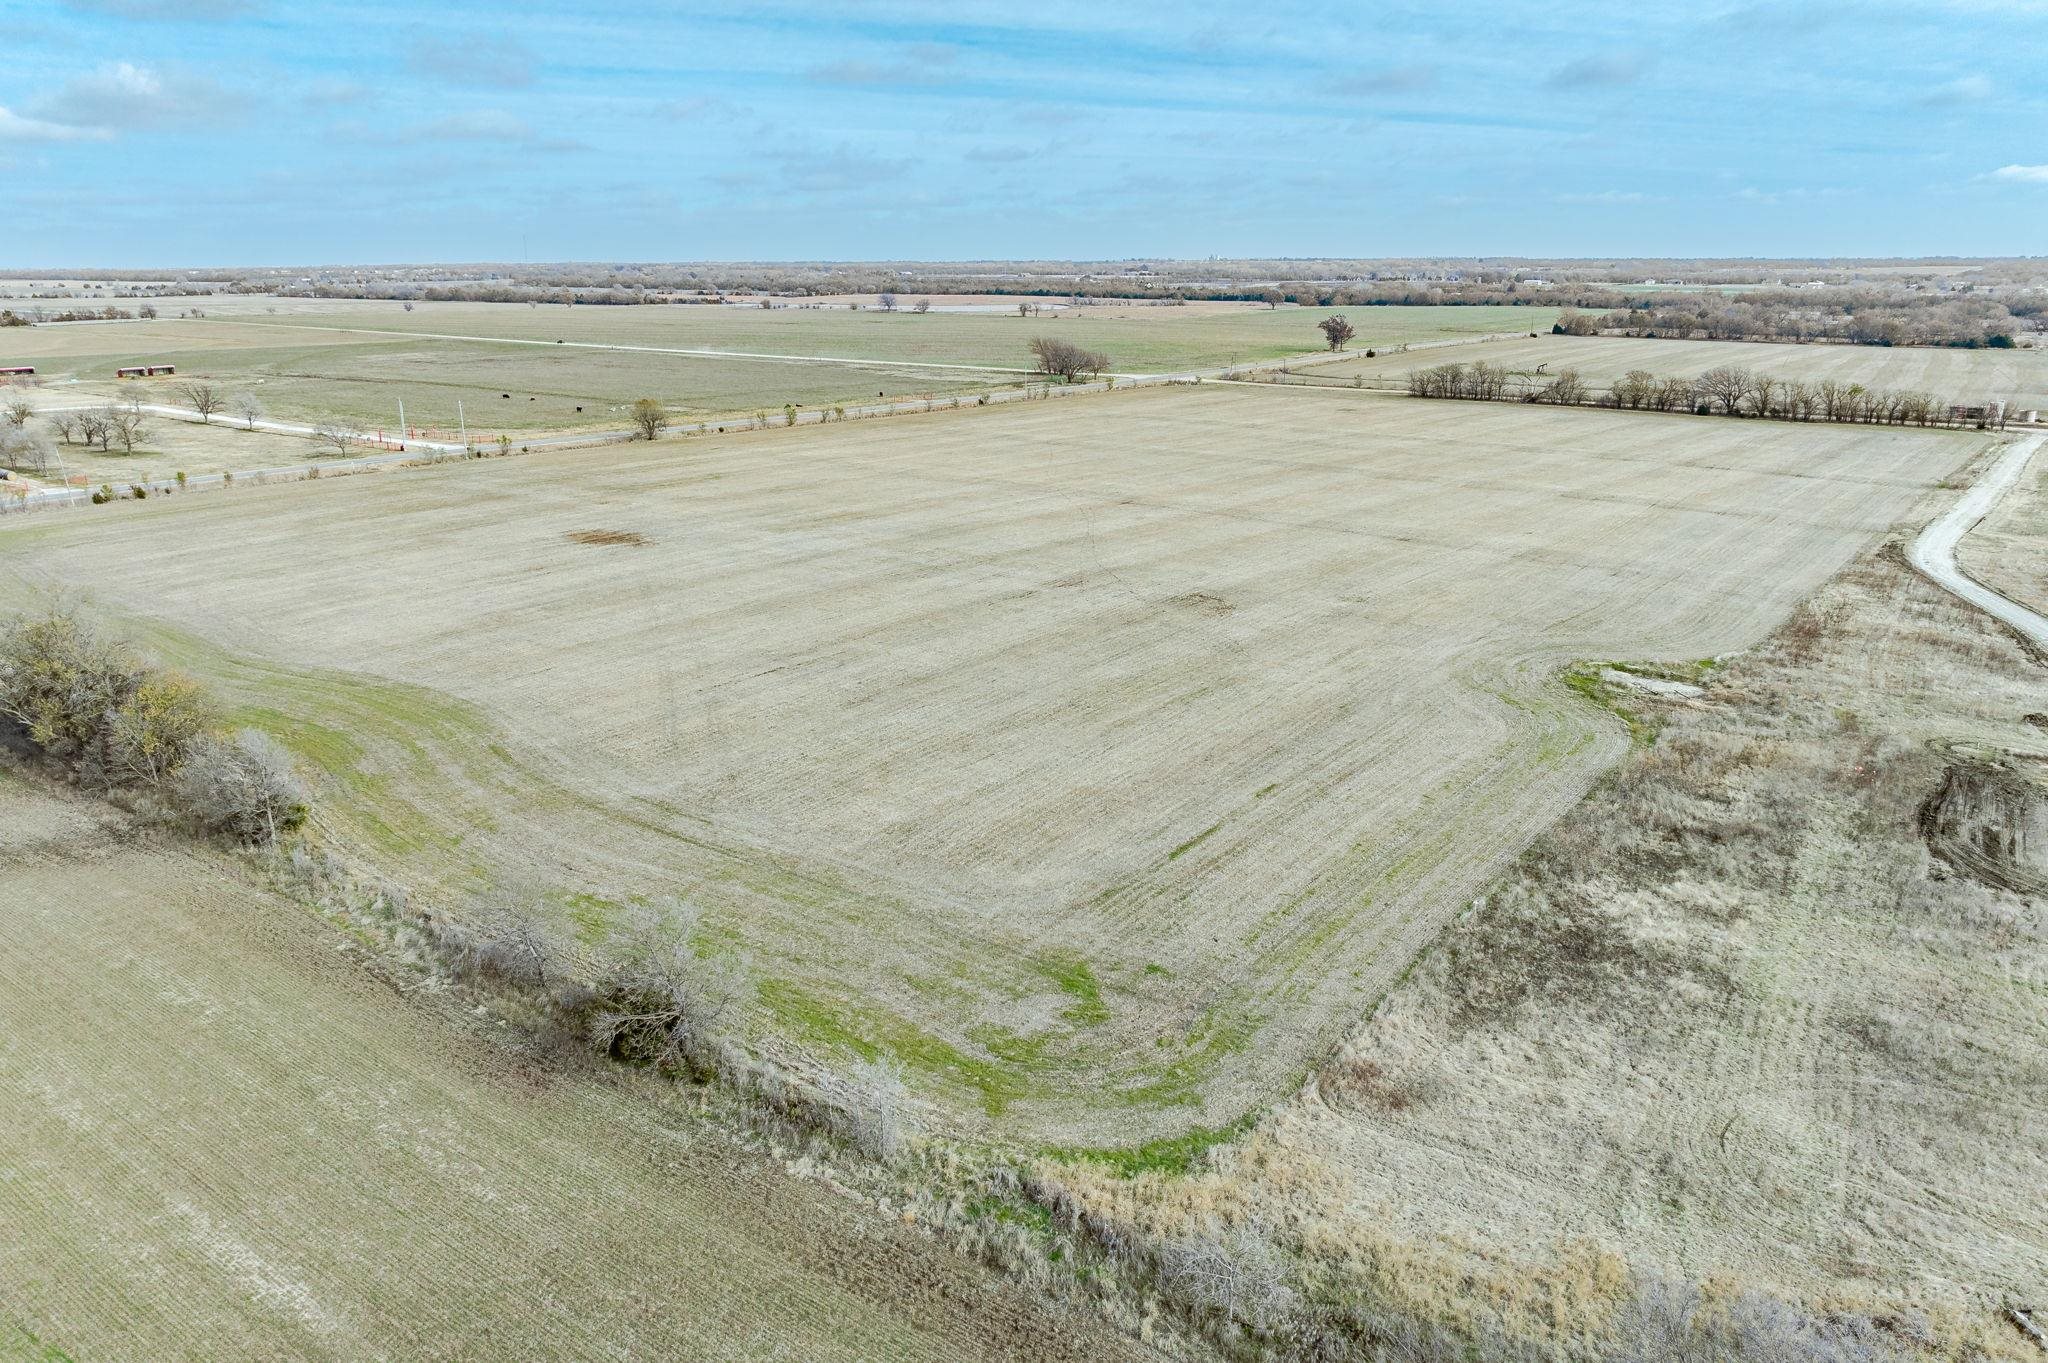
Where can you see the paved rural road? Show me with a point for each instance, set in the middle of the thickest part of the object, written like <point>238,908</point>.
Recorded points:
<point>1934,552</point>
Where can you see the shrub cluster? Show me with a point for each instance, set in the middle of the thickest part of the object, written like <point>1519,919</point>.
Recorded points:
<point>646,997</point>
<point>1066,360</point>
<point>90,706</point>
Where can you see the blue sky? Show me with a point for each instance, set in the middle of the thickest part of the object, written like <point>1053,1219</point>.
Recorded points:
<point>193,132</point>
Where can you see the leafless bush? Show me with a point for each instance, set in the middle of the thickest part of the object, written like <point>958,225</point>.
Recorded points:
<point>1565,390</point>
<point>1238,1274</point>
<point>1066,360</point>
<point>513,943</point>
<point>873,1097</point>
<point>1677,1323</point>
<point>242,788</point>
<point>657,1002</point>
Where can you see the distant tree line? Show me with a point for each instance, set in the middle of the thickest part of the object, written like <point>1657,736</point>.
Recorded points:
<point>1852,317</point>
<point>31,316</point>
<point>1724,391</point>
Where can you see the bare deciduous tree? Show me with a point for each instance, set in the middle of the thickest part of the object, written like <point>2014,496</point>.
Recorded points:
<point>1677,395</point>
<point>886,301</point>
<point>1066,360</point>
<point>650,418</point>
<point>203,398</point>
<point>923,305</point>
<point>1336,331</point>
<point>334,435</point>
<point>1726,385</point>
<point>246,406</point>
<point>126,424</point>
<point>26,451</point>
<point>1635,390</point>
<point>17,412</point>
<point>96,426</point>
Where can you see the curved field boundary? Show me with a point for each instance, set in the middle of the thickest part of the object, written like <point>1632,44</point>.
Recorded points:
<point>1934,551</point>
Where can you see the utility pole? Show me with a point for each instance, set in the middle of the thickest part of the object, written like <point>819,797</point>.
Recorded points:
<point>464,421</point>
<point>401,421</point>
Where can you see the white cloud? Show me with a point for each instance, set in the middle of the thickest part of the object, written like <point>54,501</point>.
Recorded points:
<point>2030,175</point>
<point>15,128</point>
<point>123,97</point>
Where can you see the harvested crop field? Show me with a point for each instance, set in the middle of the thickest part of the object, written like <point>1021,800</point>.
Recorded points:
<point>225,1137</point>
<point>1101,759</point>
<point>2018,377</point>
<point>1763,1014</point>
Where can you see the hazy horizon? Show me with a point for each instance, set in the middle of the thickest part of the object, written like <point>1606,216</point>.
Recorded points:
<point>246,132</point>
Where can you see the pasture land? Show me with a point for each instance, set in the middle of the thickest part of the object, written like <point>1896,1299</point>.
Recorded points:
<point>2018,377</point>
<point>358,360</point>
<point>225,1136</point>
<point>1765,1012</point>
<point>169,445</point>
<point>305,375</point>
<point>1101,759</point>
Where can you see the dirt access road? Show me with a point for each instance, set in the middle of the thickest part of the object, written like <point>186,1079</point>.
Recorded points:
<point>1934,551</point>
